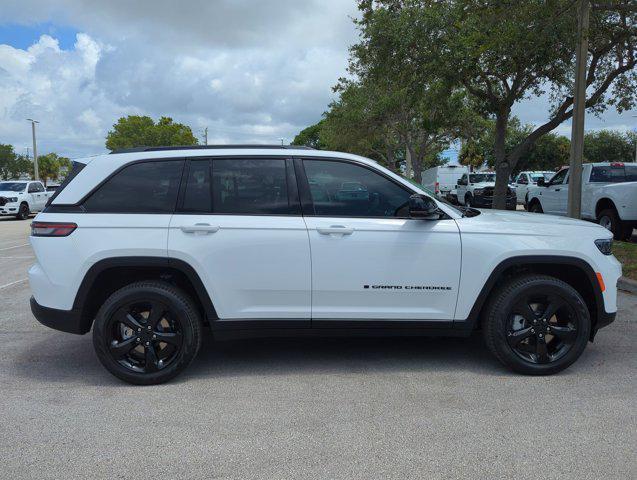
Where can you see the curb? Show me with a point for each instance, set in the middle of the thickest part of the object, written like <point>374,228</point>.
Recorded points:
<point>627,285</point>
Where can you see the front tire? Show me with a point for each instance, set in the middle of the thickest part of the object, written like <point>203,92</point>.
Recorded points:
<point>536,207</point>
<point>536,324</point>
<point>468,200</point>
<point>147,332</point>
<point>609,219</point>
<point>23,211</point>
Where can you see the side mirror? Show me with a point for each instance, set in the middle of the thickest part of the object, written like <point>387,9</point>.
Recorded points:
<point>423,207</point>
<point>541,182</point>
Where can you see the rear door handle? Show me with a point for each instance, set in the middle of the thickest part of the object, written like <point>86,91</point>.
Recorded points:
<point>335,230</point>
<point>202,228</point>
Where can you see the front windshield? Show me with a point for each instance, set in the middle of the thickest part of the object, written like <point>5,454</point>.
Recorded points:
<point>12,186</point>
<point>482,177</point>
<point>546,176</point>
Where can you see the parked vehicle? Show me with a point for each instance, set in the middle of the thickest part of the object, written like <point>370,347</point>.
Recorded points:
<point>476,190</point>
<point>609,196</point>
<point>20,198</point>
<point>442,179</point>
<point>157,242</point>
<point>452,196</point>
<point>525,180</point>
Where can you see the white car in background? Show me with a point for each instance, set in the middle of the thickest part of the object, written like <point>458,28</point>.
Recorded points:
<point>443,179</point>
<point>20,198</point>
<point>609,196</point>
<point>526,180</point>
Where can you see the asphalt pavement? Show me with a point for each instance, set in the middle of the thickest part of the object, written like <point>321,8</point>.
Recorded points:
<point>312,408</point>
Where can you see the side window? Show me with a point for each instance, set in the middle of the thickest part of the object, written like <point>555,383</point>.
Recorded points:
<point>198,194</point>
<point>523,179</point>
<point>32,188</point>
<point>463,180</point>
<point>250,187</point>
<point>149,187</point>
<point>341,189</point>
<point>559,177</point>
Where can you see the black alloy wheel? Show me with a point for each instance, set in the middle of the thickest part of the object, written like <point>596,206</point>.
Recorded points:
<point>147,332</point>
<point>536,324</point>
<point>23,212</point>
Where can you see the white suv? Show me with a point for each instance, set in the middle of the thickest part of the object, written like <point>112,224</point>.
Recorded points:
<point>19,198</point>
<point>148,247</point>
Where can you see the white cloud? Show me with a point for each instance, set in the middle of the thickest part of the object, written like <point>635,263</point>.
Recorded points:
<point>251,71</point>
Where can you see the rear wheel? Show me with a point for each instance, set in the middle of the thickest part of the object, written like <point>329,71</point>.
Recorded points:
<point>609,219</point>
<point>535,207</point>
<point>23,211</point>
<point>147,332</point>
<point>536,324</point>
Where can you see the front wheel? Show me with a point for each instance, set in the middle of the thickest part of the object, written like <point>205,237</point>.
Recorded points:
<point>468,201</point>
<point>536,324</point>
<point>536,207</point>
<point>23,212</point>
<point>609,219</point>
<point>147,332</point>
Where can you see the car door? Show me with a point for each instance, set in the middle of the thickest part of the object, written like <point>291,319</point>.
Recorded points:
<point>239,225</point>
<point>555,193</point>
<point>461,191</point>
<point>370,261</point>
<point>521,187</point>
<point>37,196</point>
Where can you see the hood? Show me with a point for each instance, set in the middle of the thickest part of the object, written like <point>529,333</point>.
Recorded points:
<point>483,184</point>
<point>530,224</point>
<point>7,193</point>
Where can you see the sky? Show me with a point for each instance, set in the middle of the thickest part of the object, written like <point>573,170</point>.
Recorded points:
<point>250,71</point>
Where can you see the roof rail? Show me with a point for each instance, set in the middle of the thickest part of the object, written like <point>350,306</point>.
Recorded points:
<point>209,147</point>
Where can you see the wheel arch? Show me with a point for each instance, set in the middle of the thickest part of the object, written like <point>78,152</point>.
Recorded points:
<point>111,274</point>
<point>572,270</point>
<point>603,204</point>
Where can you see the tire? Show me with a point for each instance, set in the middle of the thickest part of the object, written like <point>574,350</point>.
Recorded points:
<point>467,201</point>
<point>536,207</point>
<point>138,357</point>
<point>627,232</point>
<point>609,219</point>
<point>526,343</point>
<point>23,211</point>
<point>526,202</point>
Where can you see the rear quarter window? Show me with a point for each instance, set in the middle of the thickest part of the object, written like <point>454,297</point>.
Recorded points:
<point>147,187</point>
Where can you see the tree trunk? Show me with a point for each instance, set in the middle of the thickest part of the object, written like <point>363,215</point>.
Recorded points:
<point>416,164</point>
<point>502,167</point>
<point>409,169</point>
<point>391,160</point>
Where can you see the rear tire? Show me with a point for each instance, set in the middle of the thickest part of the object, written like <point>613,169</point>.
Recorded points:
<point>147,332</point>
<point>23,211</point>
<point>536,324</point>
<point>536,207</point>
<point>609,219</point>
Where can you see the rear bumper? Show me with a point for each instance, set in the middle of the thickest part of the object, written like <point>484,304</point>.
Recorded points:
<point>64,320</point>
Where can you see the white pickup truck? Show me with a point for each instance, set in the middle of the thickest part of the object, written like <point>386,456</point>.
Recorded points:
<point>19,198</point>
<point>609,196</point>
<point>527,180</point>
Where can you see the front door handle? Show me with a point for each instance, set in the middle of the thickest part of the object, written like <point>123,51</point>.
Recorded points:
<point>335,230</point>
<point>201,228</point>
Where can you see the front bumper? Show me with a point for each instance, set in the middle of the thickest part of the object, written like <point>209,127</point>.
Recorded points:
<point>69,321</point>
<point>9,209</point>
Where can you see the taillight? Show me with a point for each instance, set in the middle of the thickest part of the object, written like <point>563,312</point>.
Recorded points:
<point>616,164</point>
<point>437,187</point>
<point>52,229</point>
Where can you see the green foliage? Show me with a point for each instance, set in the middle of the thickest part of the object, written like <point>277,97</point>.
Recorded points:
<point>142,131</point>
<point>311,137</point>
<point>52,167</point>
<point>13,166</point>
<point>609,146</point>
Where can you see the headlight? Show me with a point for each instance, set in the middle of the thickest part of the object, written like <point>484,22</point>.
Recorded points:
<point>478,191</point>
<point>605,245</point>
<point>12,199</point>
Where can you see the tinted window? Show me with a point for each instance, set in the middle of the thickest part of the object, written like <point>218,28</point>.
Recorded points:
<point>12,186</point>
<point>482,177</point>
<point>198,195</point>
<point>149,187</point>
<point>558,178</point>
<point>346,190</point>
<point>614,174</point>
<point>257,187</point>
<point>35,187</point>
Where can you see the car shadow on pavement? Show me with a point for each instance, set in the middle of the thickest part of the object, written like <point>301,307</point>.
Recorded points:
<point>71,359</point>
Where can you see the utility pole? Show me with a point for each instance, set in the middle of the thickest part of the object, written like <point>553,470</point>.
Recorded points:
<point>579,109</point>
<point>205,136</point>
<point>282,140</point>
<point>635,137</point>
<point>35,149</point>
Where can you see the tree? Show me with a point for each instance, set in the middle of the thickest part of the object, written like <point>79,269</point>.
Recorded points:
<point>13,166</point>
<point>142,131</point>
<point>311,137</point>
<point>52,167</point>
<point>608,146</point>
<point>501,53</point>
<point>549,153</point>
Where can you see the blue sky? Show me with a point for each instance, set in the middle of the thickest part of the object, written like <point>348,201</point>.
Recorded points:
<point>252,72</point>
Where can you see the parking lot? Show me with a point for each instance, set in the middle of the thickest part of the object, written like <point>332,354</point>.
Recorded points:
<point>320,408</point>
